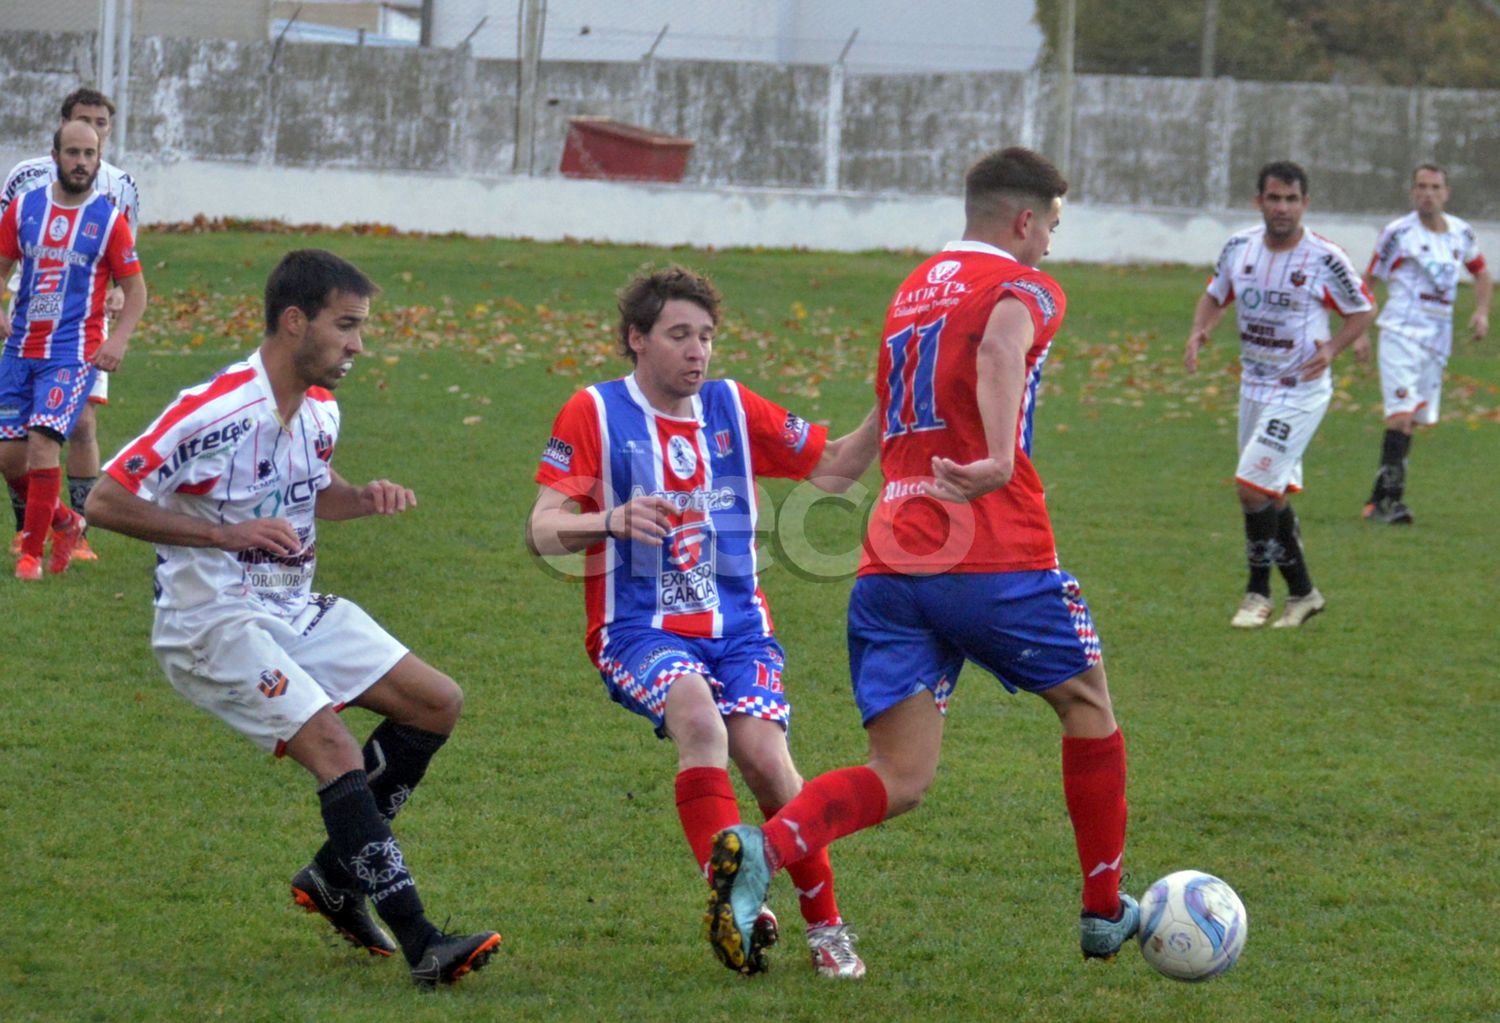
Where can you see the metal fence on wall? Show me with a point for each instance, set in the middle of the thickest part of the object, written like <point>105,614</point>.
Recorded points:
<point>1141,142</point>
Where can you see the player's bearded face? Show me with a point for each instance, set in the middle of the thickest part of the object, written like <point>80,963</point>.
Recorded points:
<point>1281,204</point>
<point>673,357</point>
<point>331,340</point>
<point>77,167</point>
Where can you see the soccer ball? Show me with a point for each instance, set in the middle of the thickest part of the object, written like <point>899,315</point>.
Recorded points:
<point>1192,925</point>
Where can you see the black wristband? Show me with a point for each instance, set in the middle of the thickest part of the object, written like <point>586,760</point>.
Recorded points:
<point>607,531</point>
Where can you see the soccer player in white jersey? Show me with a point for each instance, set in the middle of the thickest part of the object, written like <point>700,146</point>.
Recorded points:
<point>1419,256</point>
<point>1283,279</point>
<point>94,109</point>
<point>229,483</point>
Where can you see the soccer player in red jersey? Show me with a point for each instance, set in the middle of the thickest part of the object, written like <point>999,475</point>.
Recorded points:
<point>71,242</point>
<point>959,562</point>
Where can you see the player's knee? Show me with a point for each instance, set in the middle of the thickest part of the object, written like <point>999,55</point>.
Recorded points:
<point>445,703</point>
<point>84,431</point>
<point>770,776</point>
<point>906,784</point>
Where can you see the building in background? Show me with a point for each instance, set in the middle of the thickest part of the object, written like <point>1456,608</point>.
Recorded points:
<point>894,35</point>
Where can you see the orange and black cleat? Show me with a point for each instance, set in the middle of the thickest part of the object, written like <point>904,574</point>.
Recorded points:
<point>448,957</point>
<point>342,907</point>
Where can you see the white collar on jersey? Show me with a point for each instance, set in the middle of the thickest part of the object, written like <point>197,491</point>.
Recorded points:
<point>639,397</point>
<point>968,245</point>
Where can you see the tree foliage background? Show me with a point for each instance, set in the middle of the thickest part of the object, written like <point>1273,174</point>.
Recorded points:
<point>1435,43</point>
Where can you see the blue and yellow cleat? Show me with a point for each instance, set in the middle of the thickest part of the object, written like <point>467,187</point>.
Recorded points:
<point>1100,938</point>
<point>740,879</point>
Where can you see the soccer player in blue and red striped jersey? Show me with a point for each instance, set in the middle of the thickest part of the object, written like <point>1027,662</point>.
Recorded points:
<point>71,242</point>
<point>959,562</point>
<point>654,475</point>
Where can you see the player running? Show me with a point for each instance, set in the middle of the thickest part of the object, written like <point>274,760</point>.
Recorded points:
<point>69,242</point>
<point>654,475</point>
<point>93,108</point>
<point>1419,256</point>
<point>1284,279</point>
<point>229,483</point>
<point>959,564</point>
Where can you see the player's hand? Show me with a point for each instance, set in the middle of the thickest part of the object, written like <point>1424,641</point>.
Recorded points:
<point>273,535</point>
<point>1195,342</point>
<point>114,301</point>
<point>1479,325</point>
<point>1318,364</point>
<point>110,354</point>
<point>959,483</point>
<point>644,519</point>
<point>1361,348</point>
<point>382,497</point>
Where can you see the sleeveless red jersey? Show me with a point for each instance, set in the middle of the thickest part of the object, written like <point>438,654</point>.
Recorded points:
<point>925,386</point>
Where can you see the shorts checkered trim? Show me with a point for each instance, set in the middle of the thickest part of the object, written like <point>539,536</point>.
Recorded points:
<point>758,707</point>
<point>12,433</point>
<point>653,695</point>
<point>1083,623</point>
<point>942,691</point>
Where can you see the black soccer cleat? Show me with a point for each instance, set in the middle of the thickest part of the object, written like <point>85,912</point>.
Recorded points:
<point>342,907</point>
<point>448,957</point>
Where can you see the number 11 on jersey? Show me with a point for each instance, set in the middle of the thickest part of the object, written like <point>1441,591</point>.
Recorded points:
<point>924,413</point>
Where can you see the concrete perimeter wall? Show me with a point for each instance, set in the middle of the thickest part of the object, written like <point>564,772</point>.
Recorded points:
<point>1148,156</point>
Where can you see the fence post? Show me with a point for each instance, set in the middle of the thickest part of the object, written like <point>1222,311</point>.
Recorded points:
<point>1220,144</point>
<point>833,118</point>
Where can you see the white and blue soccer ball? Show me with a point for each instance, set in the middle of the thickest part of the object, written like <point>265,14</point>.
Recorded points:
<point>1193,925</point>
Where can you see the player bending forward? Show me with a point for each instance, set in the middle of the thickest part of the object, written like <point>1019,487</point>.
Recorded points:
<point>959,563</point>
<point>654,475</point>
<point>228,483</point>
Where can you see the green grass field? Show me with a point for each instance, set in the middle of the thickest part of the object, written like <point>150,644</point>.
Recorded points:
<point>1342,777</point>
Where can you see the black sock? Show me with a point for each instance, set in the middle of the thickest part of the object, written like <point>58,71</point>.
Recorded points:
<point>1390,481</point>
<point>19,507</point>
<point>369,853</point>
<point>1289,557</point>
<point>1261,548</point>
<point>396,758</point>
<point>78,490</point>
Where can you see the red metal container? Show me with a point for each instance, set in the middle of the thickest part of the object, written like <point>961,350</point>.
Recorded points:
<point>601,147</point>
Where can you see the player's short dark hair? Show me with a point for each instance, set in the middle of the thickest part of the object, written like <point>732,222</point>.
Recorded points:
<point>1013,175</point>
<point>1436,168</point>
<point>641,300</point>
<point>85,98</point>
<point>1281,170</point>
<point>307,278</point>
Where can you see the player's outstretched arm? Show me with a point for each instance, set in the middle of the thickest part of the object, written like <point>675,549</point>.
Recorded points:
<point>343,500</point>
<point>1000,381</point>
<point>1205,318</point>
<point>845,460</point>
<point>112,351</point>
<point>557,526</point>
<point>110,506</point>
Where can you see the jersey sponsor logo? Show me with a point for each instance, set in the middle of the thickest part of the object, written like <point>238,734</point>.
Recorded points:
<point>651,658</point>
<point>724,442</point>
<point>294,493</point>
<point>272,683</point>
<point>1044,300</point>
<point>54,254</point>
<point>699,499</point>
<point>1340,273</point>
<point>45,306</point>
<point>58,229</point>
<point>559,454</point>
<point>682,457</point>
<point>264,468</point>
<point>688,583</point>
<point>91,230</point>
<point>794,431</point>
<point>225,436</point>
<point>944,270</point>
<point>1254,298</point>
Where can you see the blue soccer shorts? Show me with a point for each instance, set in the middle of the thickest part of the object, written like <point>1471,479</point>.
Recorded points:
<point>42,393</point>
<point>640,664</point>
<point>1031,630</point>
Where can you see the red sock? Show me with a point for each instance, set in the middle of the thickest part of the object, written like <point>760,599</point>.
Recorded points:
<point>813,876</point>
<point>705,806</point>
<point>42,489</point>
<point>829,807</point>
<point>1094,786</point>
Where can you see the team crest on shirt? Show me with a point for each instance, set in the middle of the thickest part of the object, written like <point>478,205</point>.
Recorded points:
<point>1298,278</point>
<point>943,271</point>
<point>1400,394</point>
<point>724,443</point>
<point>272,683</point>
<point>688,583</point>
<point>794,431</point>
<point>681,457</point>
<point>91,230</point>
<point>58,229</point>
<point>323,446</point>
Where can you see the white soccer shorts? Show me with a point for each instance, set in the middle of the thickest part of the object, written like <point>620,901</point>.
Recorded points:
<point>265,675</point>
<point>1411,378</point>
<point>1273,437</point>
